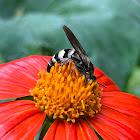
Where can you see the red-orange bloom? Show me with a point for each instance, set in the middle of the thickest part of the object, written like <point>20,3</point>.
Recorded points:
<point>119,117</point>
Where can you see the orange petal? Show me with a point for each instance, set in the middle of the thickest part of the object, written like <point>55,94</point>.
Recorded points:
<point>22,123</point>
<point>59,130</point>
<point>12,107</point>
<point>111,124</point>
<point>104,129</point>
<point>19,76</point>
<point>105,80</point>
<point>72,132</point>
<point>84,131</point>
<point>129,122</point>
<point>28,129</point>
<point>62,130</point>
<point>51,133</point>
<point>124,103</point>
<point>111,129</point>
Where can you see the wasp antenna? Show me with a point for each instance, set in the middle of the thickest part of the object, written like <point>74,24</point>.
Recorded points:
<point>101,84</point>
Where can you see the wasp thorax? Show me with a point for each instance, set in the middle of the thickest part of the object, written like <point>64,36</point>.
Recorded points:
<point>66,96</point>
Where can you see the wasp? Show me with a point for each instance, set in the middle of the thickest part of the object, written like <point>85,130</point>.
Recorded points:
<point>80,58</point>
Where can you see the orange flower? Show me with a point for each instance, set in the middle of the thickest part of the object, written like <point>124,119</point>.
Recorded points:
<point>114,115</point>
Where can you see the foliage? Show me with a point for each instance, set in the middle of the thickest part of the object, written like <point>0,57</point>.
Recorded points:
<point>108,31</point>
<point>134,83</point>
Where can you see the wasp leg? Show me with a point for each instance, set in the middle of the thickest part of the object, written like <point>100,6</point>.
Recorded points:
<point>72,72</point>
<point>63,63</point>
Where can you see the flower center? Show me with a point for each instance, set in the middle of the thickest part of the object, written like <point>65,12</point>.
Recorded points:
<point>64,94</point>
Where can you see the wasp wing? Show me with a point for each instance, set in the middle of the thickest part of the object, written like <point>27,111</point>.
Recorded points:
<point>76,45</point>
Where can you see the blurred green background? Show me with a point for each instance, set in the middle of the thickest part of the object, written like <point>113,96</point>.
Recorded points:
<point>108,30</point>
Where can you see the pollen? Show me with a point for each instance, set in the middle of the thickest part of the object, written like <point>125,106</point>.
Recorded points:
<point>64,94</point>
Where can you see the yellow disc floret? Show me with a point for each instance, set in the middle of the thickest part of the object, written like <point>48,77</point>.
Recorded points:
<point>64,94</point>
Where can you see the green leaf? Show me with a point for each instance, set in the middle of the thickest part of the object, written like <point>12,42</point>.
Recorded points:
<point>133,86</point>
<point>108,31</point>
<point>8,8</point>
<point>62,7</point>
<point>1,60</point>
<point>7,100</point>
<point>46,125</point>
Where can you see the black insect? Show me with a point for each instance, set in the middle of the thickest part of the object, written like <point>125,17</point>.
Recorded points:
<point>78,55</point>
